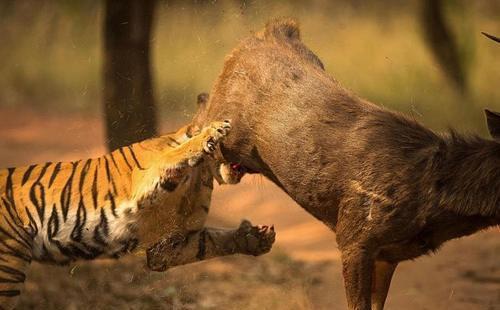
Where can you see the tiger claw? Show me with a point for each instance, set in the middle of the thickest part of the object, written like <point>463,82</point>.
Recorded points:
<point>255,240</point>
<point>209,146</point>
<point>214,134</point>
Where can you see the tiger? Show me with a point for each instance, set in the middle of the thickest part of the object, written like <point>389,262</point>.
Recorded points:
<point>150,197</point>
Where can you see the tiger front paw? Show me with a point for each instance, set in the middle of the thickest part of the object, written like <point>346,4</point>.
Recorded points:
<point>254,240</point>
<point>213,134</point>
<point>207,140</point>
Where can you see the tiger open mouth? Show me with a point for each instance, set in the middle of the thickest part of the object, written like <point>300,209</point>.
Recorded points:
<point>231,173</point>
<point>238,170</point>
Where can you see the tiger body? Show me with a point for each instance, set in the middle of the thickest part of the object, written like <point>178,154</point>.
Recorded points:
<point>127,200</point>
<point>90,208</point>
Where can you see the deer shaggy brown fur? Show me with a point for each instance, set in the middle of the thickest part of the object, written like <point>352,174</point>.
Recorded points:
<point>391,189</point>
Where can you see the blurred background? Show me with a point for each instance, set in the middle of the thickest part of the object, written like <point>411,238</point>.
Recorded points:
<point>65,78</point>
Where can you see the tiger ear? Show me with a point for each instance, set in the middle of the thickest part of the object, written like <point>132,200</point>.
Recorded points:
<point>493,121</point>
<point>192,130</point>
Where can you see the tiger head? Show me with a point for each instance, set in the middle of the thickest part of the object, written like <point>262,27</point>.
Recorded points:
<point>227,173</point>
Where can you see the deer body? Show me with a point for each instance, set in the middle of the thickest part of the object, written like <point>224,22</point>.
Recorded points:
<point>390,188</point>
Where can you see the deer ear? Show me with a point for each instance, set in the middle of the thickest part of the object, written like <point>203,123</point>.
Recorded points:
<point>493,121</point>
<point>202,100</point>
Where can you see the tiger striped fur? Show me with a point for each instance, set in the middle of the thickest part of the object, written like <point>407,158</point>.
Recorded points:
<point>152,196</point>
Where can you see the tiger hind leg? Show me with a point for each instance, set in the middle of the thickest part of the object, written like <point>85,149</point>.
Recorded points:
<point>12,277</point>
<point>175,250</point>
<point>15,257</point>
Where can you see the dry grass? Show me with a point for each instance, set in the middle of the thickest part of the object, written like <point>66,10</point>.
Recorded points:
<point>274,282</point>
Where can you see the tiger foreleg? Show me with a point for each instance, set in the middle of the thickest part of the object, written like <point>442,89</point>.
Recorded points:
<point>191,152</point>
<point>174,163</point>
<point>175,250</point>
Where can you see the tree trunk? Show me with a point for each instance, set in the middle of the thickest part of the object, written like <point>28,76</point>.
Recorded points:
<point>129,105</point>
<point>442,43</point>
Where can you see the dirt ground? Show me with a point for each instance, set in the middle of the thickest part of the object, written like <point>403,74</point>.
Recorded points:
<point>301,272</point>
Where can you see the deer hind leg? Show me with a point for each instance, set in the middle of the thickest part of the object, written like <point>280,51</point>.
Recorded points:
<point>356,240</point>
<point>175,250</point>
<point>357,266</point>
<point>191,152</point>
<point>381,281</point>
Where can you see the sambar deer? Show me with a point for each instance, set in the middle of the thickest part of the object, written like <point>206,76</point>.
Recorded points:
<point>390,188</point>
